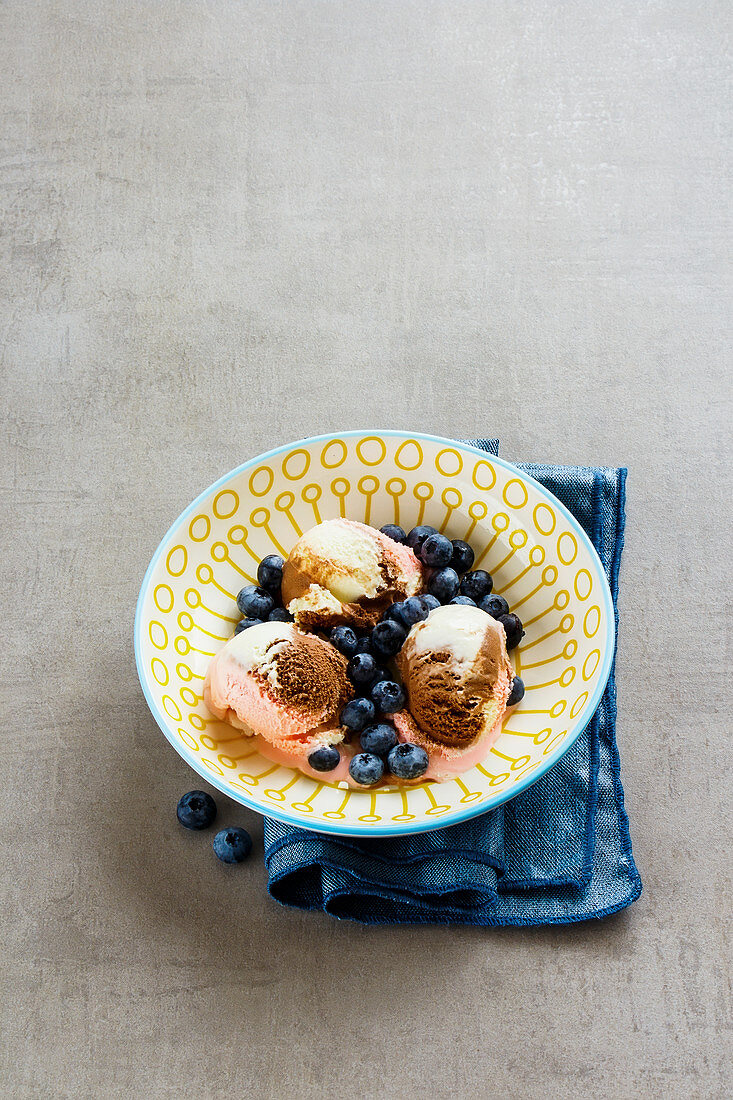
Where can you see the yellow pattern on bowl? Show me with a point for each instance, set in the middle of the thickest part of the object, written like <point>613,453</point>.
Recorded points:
<point>540,559</point>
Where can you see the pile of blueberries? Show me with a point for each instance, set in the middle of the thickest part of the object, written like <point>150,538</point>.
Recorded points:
<point>263,602</point>
<point>450,581</point>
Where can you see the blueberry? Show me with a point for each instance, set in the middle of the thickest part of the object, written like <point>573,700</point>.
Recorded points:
<point>279,615</point>
<point>392,531</point>
<point>255,602</point>
<point>388,696</point>
<point>513,628</point>
<point>476,585</point>
<point>466,600</point>
<point>232,845</point>
<point>357,714</point>
<point>379,675</point>
<point>196,810</point>
<point>364,645</point>
<point>245,624</point>
<point>270,572</point>
<point>324,759</point>
<point>366,769</point>
<point>436,551</point>
<point>378,738</point>
<point>517,692</point>
<point>388,638</point>
<point>345,640</point>
<point>407,761</point>
<point>444,584</point>
<point>496,606</point>
<point>392,612</point>
<point>417,537</point>
<point>429,603</point>
<point>463,556</point>
<point>361,668</point>
<point>408,612</point>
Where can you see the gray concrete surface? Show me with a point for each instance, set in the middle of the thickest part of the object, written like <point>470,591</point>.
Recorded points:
<point>227,224</point>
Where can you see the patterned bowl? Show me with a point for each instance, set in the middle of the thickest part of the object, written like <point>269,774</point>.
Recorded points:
<point>539,556</point>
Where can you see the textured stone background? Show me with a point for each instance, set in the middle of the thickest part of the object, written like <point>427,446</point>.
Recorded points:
<point>229,224</point>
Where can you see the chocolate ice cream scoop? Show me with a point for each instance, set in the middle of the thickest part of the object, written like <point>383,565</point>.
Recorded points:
<point>457,675</point>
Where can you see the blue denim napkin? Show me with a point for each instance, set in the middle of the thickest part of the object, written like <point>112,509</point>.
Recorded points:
<point>557,853</point>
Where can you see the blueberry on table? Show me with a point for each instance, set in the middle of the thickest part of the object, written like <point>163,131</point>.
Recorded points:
<point>378,738</point>
<point>388,696</point>
<point>407,761</point>
<point>465,600</point>
<point>345,640</point>
<point>245,624</point>
<point>436,551</point>
<point>279,615</point>
<point>255,602</point>
<point>513,629</point>
<point>232,845</point>
<point>388,638</point>
<point>196,810</point>
<point>361,668</point>
<point>496,606</point>
<point>324,759</point>
<point>270,572</point>
<point>477,584</point>
<point>517,692</point>
<point>366,769</point>
<point>429,603</point>
<point>463,556</point>
<point>357,713</point>
<point>392,531</point>
<point>444,584</point>
<point>417,536</point>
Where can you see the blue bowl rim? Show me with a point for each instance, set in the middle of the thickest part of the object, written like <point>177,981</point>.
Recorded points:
<point>404,828</point>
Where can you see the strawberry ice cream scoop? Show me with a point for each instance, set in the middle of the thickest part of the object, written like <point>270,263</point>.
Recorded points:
<point>284,686</point>
<point>457,678</point>
<point>346,572</point>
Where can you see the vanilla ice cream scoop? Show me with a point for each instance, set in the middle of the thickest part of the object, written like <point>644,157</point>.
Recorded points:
<point>347,572</point>
<point>457,678</point>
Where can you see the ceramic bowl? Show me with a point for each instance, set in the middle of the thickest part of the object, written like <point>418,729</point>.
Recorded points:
<point>540,558</point>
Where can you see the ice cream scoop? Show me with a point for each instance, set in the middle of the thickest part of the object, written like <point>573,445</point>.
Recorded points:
<point>284,686</point>
<point>457,678</point>
<point>347,572</point>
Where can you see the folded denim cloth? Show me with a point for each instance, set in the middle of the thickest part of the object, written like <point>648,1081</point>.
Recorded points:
<point>557,853</point>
